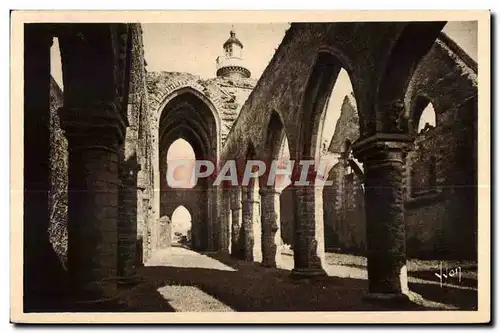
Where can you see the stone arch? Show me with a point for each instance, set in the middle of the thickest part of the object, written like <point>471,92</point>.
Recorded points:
<point>320,83</point>
<point>422,108</point>
<point>188,153</point>
<point>188,114</point>
<point>184,230</point>
<point>413,43</point>
<point>197,91</point>
<point>309,224</point>
<point>275,133</point>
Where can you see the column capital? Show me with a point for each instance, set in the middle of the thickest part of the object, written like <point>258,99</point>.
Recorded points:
<point>383,147</point>
<point>98,124</point>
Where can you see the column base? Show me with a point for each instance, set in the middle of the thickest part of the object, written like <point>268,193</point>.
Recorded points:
<point>129,281</point>
<point>392,298</point>
<point>308,272</point>
<point>268,265</point>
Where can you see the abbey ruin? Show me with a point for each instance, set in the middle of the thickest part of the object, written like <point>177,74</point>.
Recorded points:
<point>97,206</point>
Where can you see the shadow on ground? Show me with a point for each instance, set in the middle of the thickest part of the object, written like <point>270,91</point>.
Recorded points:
<point>253,287</point>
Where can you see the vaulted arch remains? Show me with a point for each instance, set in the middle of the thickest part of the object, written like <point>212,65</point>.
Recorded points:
<point>187,119</point>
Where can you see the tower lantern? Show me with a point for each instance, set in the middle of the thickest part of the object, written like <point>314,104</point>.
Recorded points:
<point>231,64</point>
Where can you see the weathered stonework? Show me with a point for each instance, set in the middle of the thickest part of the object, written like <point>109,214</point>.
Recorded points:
<point>415,194</point>
<point>227,95</point>
<point>270,219</point>
<point>440,170</point>
<point>58,197</point>
<point>347,127</point>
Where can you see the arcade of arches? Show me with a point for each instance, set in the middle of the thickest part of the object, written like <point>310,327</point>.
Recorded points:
<point>398,188</point>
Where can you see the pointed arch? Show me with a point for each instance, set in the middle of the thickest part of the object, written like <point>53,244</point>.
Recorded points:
<point>320,84</point>
<point>196,96</point>
<point>422,114</point>
<point>414,42</point>
<point>274,135</point>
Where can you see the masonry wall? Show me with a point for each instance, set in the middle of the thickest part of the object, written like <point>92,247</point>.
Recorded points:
<point>344,214</point>
<point>138,150</point>
<point>58,196</point>
<point>443,221</point>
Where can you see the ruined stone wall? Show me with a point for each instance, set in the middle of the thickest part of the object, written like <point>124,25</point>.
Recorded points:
<point>344,214</point>
<point>442,218</point>
<point>58,196</point>
<point>441,177</point>
<point>140,142</point>
<point>347,126</point>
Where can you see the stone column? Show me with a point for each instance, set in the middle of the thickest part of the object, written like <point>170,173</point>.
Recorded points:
<point>94,134</point>
<point>236,224</point>
<point>383,157</point>
<point>212,232</point>
<point>270,219</point>
<point>250,213</point>
<point>225,221</point>
<point>40,260</point>
<point>308,249</point>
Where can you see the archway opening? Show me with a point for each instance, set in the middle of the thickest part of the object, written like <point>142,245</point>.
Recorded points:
<point>287,200</point>
<point>181,226</point>
<point>330,117</point>
<point>188,130</point>
<point>340,122</point>
<point>180,165</point>
<point>427,118</point>
<point>343,202</point>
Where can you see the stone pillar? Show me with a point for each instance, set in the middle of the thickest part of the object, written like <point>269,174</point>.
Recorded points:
<point>308,249</point>
<point>270,219</point>
<point>383,157</point>
<point>94,134</point>
<point>250,223</point>
<point>236,224</point>
<point>213,240</point>
<point>225,221</point>
<point>40,261</point>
